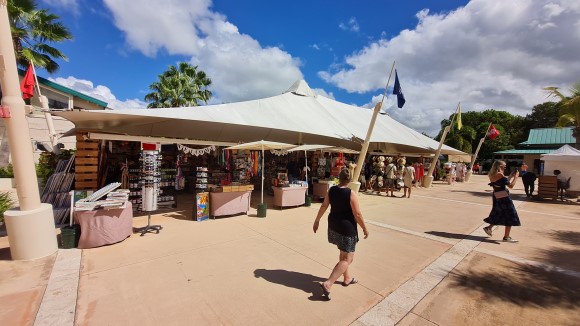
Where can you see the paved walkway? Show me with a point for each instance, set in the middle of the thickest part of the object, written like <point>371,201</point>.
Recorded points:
<point>426,262</point>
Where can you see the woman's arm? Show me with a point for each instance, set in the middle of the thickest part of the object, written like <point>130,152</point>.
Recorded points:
<point>513,178</point>
<point>357,213</point>
<point>321,211</point>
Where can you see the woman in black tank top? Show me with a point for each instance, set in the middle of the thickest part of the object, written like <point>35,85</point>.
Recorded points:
<point>342,230</point>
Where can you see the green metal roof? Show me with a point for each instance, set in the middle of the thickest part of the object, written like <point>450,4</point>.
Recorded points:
<point>546,136</point>
<point>525,151</point>
<point>66,90</point>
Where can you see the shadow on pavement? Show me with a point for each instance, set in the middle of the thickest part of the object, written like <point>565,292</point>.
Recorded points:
<point>5,254</point>
<point>461,236</point>
<point>304,282</point>
<point>523,285</point>
<point>483,194</point>
<point>562,257</point>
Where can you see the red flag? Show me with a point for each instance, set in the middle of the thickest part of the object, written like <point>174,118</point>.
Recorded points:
<point>492,133</point>
<point>27,86</point>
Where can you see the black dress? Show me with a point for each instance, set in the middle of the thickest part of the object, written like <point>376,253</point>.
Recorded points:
<point>503,211</point>
<point>342,230</point>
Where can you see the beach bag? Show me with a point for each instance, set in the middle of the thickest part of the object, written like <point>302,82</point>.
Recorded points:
<point>501,194</point>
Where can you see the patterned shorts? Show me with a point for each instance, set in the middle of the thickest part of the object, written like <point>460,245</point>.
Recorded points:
<point>343,242</point>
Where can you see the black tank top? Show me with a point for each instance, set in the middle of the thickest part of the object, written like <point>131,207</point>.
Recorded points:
<point>341,219</point>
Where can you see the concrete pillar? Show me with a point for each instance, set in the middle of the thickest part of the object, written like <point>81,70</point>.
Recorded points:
<point>30,227</point>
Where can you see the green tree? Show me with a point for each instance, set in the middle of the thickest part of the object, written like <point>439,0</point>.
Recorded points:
<point>179,86</point>
<point>543,115</point>
<point>569,109</point>
<point>475,125</point>
<point>33,31</point>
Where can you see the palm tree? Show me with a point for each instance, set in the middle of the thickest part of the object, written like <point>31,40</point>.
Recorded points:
<point>462,139</point>
<point>32,31</point>
<point>179,86</point>
<point>569,109</point>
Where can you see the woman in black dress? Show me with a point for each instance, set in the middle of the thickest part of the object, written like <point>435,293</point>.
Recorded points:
<point>503,211</point>
<point>342,230</point>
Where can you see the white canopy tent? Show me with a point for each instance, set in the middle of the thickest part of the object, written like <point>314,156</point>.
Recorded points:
<point>297,116</point>
<point>261,146</point>
<point>567,160</point>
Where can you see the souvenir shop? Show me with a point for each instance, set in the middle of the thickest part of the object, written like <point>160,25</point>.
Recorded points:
<point>217,176</point>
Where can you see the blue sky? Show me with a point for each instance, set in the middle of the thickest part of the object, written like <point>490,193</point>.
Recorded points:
<point>485,53</point>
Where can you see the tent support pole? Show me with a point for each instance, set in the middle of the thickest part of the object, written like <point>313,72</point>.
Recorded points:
<point>354,184</point>
<point>429,177</point>
<point>262,198</point>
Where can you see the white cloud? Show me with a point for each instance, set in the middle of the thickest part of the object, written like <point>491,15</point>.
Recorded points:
<point>351,25</point>
<point>488,54</point>
<point>100,92</point>
<point>67,5</point>
<point>320,91</point>
<point>240,68</point>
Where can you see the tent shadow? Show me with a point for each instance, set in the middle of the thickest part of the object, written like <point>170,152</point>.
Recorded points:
<point>462,236</point>
<point>305,282</point>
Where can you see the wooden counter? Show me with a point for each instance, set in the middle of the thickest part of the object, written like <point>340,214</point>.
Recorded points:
<point>548,186</point>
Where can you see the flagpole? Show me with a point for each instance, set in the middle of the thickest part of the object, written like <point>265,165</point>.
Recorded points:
<point>45,109</point>
<point>354,184</point>
<point>470,171</point>
<point>428,179</point>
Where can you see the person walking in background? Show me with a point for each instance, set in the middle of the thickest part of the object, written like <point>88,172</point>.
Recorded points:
<point>391,176</point>
<point>503,211</point>
<point>523,169</point>
<point>528,179</point>
<point>367,168</point>
<point>476,168</point>
<point>342,230</point>
<point>408,179</point>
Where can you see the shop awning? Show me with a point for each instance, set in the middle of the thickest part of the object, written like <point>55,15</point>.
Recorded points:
<point>295,117</point>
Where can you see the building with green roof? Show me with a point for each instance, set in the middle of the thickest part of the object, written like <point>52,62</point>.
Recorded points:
<point>59,98</point>
<point>540,141</point>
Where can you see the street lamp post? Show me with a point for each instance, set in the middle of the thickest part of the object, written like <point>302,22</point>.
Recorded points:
<point>30,227</point>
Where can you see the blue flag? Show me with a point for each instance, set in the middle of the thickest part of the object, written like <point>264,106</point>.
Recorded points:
<point>397,90</point>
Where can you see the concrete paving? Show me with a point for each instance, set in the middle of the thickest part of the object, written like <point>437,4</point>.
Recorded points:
<point>426,262</point>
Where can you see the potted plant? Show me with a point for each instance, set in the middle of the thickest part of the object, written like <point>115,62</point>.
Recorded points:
<point>6,202</point>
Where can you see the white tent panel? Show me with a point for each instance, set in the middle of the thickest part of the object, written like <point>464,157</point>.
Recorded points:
<point>567,160</point>
<point>295,117</point>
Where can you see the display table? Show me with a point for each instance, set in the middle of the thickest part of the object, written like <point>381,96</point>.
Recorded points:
<point>229,203</point>
<point>320,189</point>
<point>102,227</point>
<point>289,196</point>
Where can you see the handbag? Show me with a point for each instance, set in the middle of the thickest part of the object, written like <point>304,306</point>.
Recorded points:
<point>501,194</point>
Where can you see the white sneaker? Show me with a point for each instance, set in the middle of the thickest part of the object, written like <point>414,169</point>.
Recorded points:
<point>510,240</point>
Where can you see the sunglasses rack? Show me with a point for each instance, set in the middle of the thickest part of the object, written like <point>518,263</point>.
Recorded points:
<point>150,178</point>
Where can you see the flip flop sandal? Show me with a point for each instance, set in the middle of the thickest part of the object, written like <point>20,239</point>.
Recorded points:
<point>325,292</point>
<point>353,281</point>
